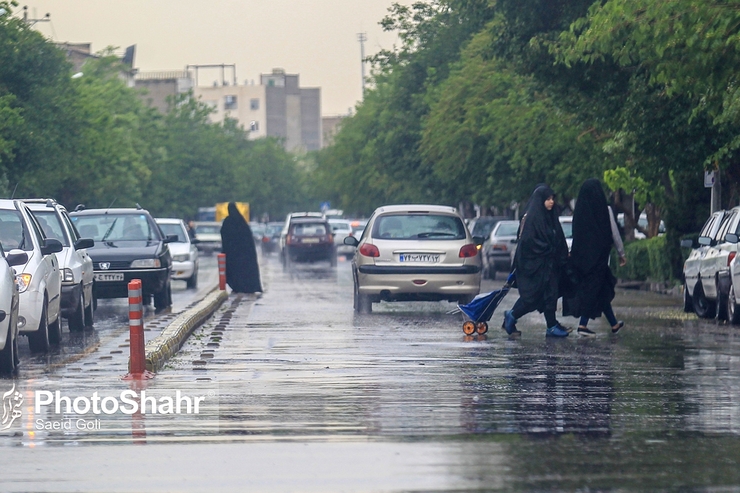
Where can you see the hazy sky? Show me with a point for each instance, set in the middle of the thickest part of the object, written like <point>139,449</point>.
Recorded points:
<point>316,39</point>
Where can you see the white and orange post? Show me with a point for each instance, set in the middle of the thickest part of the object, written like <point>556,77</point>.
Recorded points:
<point>137,358</point>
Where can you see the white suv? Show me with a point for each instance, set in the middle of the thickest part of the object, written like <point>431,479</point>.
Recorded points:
<point>75,264</point>
<point>39,280</point>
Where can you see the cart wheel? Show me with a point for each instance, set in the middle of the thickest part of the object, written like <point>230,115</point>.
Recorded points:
<point>468,327</point>
<point>482,327</point>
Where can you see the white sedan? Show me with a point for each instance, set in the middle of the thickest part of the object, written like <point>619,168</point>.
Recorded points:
<point>184,253</point>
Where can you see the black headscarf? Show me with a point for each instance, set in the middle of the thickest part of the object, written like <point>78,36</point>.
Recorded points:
<point>540,253</point>
<point>592,233</point>
<point>242,270</point>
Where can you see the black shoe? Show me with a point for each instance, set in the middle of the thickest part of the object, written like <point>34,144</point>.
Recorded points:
<point>586,332</point>
<point>616,328</point>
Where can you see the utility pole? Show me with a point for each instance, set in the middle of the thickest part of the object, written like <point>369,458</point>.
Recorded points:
<point>362,37</point>
<point>31,22</point>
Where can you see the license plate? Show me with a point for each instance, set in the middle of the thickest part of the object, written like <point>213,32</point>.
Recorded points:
<point>114,276</point>
<point>310,240</point>
<point>419,257</point>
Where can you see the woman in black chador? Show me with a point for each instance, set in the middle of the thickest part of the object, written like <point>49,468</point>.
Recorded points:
<point>541,253</point>
<point>594,233</point>
<point>242,271</point>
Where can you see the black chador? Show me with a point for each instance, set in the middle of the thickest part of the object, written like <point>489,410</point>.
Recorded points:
<point>242,270</point>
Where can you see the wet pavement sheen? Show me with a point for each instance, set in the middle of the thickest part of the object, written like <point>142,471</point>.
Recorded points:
<point>655,407</point>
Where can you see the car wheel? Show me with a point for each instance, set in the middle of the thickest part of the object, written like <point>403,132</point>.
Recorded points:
<point>362,302</point>
<point>38,341</point>
<point>77,319</point>
<point>8,355</point>
<point>55,331</point>
<point>702,306</point>
<point>162,298</point>
<point>192,283</point>
<point>721,302</point>
<point>733,310</point>
<point>89,310</point>
<point>333,259</point>
<point>688,304</point>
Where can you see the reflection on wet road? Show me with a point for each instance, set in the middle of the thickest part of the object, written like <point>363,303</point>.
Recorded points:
<point>654,407</point>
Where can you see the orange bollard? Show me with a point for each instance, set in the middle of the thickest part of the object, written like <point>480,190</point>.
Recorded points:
<point>222,271</point>
<point>137,358</point>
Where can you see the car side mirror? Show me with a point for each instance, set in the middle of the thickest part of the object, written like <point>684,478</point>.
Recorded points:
<point>705,241</point>
<point>687,243</point>
<point>351,240</point>
<point>731,238</point>
<point>83,243</point>
<point>170,239</point>
<point>16,257</point>
<point>51,245</point>
<point>479,240</point>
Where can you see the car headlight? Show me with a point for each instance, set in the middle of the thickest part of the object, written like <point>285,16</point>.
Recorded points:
<point>184,257</point>
<point>146,263</point>
<point>67,275</point>
<point>23,281</point>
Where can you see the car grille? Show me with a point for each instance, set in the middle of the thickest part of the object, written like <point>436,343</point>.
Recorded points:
<point>114,265</point>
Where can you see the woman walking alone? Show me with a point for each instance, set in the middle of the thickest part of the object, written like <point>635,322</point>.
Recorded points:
<point>594,234</point>
<point>541,253</point>
<point>237,241</point>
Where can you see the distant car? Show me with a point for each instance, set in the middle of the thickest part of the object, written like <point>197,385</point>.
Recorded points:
<point>566,222</point>
<point>39,280</point>
<point>358,226</point>
<point>271,238</point>
<point>76,266</point>
<point>642,221</point>
<point>128,245</point>
<point>342,228</point>
<point>498,254</point>
<point>184,252</point>
<point>208,234</point>
<point>414,253</point>
<point>9,302</point>
<point>481,227</point>
<point>258,231</point>
<point>307,239</point>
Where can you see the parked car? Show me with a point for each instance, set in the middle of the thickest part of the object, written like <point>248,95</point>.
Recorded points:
<point>271,238</point>
<point>498,252</point>
<point>481,227</point>
<point>208,234</point>
<point>566,222</point>
<point>184,252</point>
<point>39,280</point>
<point>342,228</point>
<point>414,253</point>
<point>128,245</point>
<point>706,271</point>
<point>9,302</point>
<point>642,221</point>
<point>307,238</point>
<point>77,304</point>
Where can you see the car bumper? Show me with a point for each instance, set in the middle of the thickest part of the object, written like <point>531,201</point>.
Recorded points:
<point>310,253</point>
<point>209,246</point>
<point>152,281</point>
<point>183,270</point>
<point>418,283</point>
<point>346,249</point>
<point>499,262</point>
<point>69,299</point>
<point>29,311</point>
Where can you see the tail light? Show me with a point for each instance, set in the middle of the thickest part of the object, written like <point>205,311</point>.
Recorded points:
<point>469,250</point>
<point>265,239</point>
<point>730,257</point>
<point>290,240</point>
<point>330,238</point>
<point>369,250</point>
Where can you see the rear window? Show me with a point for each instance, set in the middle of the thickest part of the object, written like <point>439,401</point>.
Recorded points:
<point>309,229</point>
<point>507,229</point>
<point>208,229</point>
<point>419,227</point>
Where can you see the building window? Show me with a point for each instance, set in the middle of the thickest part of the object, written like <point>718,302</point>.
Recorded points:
<point>254,126</point>
<point>229,102</point>
<point>254,104</point>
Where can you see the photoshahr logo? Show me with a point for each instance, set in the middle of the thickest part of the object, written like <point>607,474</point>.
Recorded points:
<point>12,402</point>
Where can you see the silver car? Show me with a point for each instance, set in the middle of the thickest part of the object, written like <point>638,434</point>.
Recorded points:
<point>414,253</point>
<point>341,228</point>
<point>498,252</point>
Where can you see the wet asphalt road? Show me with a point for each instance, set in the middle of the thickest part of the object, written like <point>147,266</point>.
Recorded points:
<point>304,395</point>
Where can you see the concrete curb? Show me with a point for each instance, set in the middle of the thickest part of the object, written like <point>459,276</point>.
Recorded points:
<point>169,342</point>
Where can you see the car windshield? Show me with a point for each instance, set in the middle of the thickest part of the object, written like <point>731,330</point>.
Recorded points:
<point>51,223</point>
<point>115,227</point>
<point>507,229</point>
<point>273,229</point>
<point>419,227</point>
<point>175,230</point>
<point>13,233</point>
<point>208,229</point>
<point>309,229</point>
<point>567,229</point>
